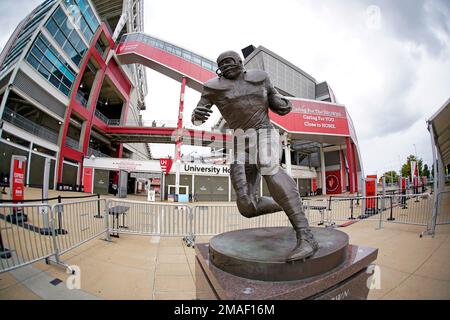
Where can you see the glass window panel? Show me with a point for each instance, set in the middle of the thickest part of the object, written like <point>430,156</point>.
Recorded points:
<point>59,16</point>
<point>92,21</point>
<point>54,81</point>
<point>42,70</point>
<point>83,5</point>
<point>196,59</point>
<point>64,89</point>
<point>58,74</point>
<point>52,27</point>
<point>86,31</point>
<point>59,37</point>
<point>76,59</point>
<point>38,54</point>
<point>187,55</point>
<point>206,64</point>
<point>47,64</point>
<point>69,75</point>
<point>33,61</point>
<point>66,81</point>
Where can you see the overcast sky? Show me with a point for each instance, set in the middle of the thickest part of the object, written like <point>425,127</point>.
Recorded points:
<point>387,61</point>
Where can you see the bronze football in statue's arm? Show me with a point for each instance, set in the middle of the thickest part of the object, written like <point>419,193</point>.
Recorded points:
<point>279,104</point>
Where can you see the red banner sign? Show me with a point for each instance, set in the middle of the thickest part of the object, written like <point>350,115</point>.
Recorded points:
<point>403,184</point>
<point>308,116</point>
<point>371,191</point>
<point>88,175</point>
<point>18,178</point>
<point>314,185</point>
<point>166,165</point>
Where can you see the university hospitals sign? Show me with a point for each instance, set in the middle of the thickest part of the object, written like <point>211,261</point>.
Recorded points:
<point>154,166</point>
<point>217,170</point>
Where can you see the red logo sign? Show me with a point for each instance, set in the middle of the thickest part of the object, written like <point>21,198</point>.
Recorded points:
<point>333,182</point>
<point>166,165</point>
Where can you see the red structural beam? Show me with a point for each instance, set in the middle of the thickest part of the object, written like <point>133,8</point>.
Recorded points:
<point>162,61</point>
<point>350,164</point>
<point>354,164</point>
<point>179,140</point>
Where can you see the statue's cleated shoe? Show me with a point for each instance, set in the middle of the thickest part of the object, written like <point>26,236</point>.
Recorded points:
<point>306,247</point>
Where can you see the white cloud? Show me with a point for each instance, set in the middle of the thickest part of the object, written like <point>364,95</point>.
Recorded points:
<point>390,79</point>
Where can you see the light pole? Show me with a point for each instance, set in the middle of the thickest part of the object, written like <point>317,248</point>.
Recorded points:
<point>417,160</point>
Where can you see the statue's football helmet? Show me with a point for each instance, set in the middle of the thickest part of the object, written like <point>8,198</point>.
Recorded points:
<point>227,67</point>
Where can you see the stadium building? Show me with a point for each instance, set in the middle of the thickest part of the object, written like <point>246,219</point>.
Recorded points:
<point>61,85</point>
<point>72,85</point>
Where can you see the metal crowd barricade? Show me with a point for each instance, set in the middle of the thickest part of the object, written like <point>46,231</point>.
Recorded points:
<point>24,235</point>
<point>415,209</point>
<point>212,219</point>
<point>317,211</point>
<point>441,211</point>
<point>146,218</point>
<point>78,222</point>
<point>443,208</point>
<point>403,209</point>
<point>49,232</point>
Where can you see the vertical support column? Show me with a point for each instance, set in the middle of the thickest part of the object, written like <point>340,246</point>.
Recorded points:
<point>435,178</point>
<point>27,182</point>
<point>350,164</point>
<point>3,105</point>
<point>287,153</point>
<point>355,168</point>
<point>343,172</point>
<point>229,188</point>
<point>322,170</point>
<point>193,187</point>
<point>178,142</point>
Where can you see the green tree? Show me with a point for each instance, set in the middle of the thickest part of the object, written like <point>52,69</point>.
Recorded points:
<point>391,176</point>
<point>406,168</point>
<point>426,171</point>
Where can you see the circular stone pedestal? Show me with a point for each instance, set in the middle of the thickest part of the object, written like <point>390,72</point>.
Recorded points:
<point>260,254</point>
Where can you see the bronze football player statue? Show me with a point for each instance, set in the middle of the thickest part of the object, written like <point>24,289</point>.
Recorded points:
<point>244,98</point>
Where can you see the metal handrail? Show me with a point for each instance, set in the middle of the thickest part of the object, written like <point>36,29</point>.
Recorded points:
<point>72,143</point>
<point>29,126</point>
<point>101,116</point>
<point>97,153</point>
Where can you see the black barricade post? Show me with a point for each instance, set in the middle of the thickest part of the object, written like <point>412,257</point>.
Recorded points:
<point>391,218</point>
<point>4,252</point>
<point>60,209</point>
<point>377,209</point>
<point>98,216</point>
<point>351,210</point>
<point>404,199</point>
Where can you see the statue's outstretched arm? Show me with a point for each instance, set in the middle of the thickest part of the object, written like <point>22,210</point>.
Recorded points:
<point>203,111</point>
